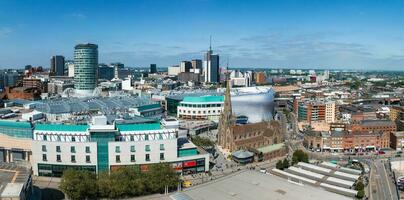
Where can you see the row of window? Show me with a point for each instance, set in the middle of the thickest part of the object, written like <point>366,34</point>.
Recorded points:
<point>72,138</point>
<point>199,112</point>
<point>133,157</point>
<point>133,149</point>
<point>88,158</point>
<point>201,105</point>
<point>72,149</point>
<point>117,148</point>
<point>59,158</point>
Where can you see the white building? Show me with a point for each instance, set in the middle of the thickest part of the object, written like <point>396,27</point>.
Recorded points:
<point>174,70</point>
<point>203,107</point>
<point>330,111</point>
<point>102,147</point>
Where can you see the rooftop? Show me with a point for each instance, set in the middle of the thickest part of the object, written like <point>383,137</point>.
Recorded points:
<point>15,124</point>
<point>204,99</point>
<point>61,127</point>
<point>378,123</point>
<point>253,185</point>
<point>139,127</point>
<point>271,148</point>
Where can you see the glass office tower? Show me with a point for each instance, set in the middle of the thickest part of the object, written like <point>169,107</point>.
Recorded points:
<point>86,68</point>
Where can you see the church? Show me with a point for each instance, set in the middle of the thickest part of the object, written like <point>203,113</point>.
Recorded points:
<point>265,139</point>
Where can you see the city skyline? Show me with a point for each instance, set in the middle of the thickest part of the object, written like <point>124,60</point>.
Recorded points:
<point>275,34</point>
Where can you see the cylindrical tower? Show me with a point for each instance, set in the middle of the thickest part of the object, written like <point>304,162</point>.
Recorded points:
<point>85,68</point>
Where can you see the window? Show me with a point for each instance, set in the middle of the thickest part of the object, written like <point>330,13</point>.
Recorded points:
<point>161,156</point>
<point>117,149</point>
<point>132,148</point>
<point>58,149</point>
<point>73,139</point>
<point>160,136</point>
<point>88,149</point>
<point>44,148</point>
<point>132,158</point>
<point>147,148</point>
<point>44,158</point>
<point>73,149</point>
<point>73,158</point>
<point>45,138</point>
<point>161,146</point>
<point>147,157</point>
<point>88,160</point>
<point>58,158</point>
<point>117,158</point>
<point>146,137</point>
<point>58,138</point>
<point>132,138</point>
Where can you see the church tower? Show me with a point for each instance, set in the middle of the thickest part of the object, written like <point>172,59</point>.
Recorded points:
<point>226,120</point>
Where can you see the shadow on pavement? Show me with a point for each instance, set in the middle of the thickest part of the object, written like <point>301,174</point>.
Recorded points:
<point>51,193</point>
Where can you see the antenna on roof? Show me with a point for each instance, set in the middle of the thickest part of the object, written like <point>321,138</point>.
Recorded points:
<point>210,43</point>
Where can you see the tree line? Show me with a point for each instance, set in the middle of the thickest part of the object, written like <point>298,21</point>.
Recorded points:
<point>123,183</point>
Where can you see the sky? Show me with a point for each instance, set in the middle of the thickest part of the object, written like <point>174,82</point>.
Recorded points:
<point>337,34</point>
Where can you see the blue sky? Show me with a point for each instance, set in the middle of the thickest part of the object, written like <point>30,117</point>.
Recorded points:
<point>354,34</point>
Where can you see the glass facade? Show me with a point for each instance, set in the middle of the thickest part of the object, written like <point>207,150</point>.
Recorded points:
<point>16,129</point>
<point>57,170</point>
<point>86,67</point>
<point>102,140</point>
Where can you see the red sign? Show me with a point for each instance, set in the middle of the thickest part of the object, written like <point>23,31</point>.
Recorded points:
<point>190,163</point>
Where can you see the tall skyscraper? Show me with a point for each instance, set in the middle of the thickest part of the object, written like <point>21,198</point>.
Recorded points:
<point>153,68</point>
<point>57,66</point>
<point>197,65</point>
<point>85,68</point>
<point>211,66</point>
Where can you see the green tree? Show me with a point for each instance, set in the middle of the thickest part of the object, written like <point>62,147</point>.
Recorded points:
<point>202,142</point>
<point>279,165</point>
<point>360,194</point>
<point>285,163</point>
<point>161,175</point>
<point>104,183</point>
<point>79,184</point>
<point>299,156</point>
<point>359,186</point>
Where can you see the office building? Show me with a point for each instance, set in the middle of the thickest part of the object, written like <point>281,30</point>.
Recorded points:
<point>86,68</point>
<point>106,72</point>
<point>260,77</point>
<point>69,66</point>
<point>153,68</point>
<point>196,65</point>
<point>57,66</point>
<point>185,66</point>
<point>117,68</point>
<point>211,66</point>
<point>311,111</point>
<point>174,70</point>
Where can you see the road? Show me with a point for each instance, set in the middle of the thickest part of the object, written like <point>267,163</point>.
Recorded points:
<point>381,184</point>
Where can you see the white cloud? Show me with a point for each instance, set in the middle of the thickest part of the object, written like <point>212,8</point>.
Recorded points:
<point>77,15</point>
<point>5,31</point>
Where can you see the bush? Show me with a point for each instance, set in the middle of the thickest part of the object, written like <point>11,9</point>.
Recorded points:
<point>285,164</point>
<point>299,156</point>
<point>279,165</point>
